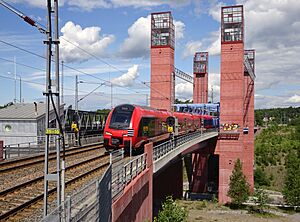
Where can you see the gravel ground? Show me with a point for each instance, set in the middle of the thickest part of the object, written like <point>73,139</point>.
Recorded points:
<point>209,212</point>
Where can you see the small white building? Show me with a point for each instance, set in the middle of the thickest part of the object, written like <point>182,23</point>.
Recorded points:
<point>23,122</point>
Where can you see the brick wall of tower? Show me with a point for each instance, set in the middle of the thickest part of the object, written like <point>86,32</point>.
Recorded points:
<point>232,105</point>
<point>162,83</point>
<point>200,90</point>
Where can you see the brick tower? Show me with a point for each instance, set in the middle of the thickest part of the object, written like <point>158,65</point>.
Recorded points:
<point>236,101</point>
<point>162,60</point>
<point>200,90</point>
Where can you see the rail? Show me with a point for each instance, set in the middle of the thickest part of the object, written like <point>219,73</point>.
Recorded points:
<point>38,146</point>
<point>124,174</point>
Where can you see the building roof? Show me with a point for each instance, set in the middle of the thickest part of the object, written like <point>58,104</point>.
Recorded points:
<point>23,111</point>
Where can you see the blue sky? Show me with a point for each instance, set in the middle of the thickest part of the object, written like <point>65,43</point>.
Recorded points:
<point>117,32</point>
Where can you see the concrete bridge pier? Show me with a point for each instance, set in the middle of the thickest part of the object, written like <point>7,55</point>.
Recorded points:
<point>168,182</point>
<point>203,168</point>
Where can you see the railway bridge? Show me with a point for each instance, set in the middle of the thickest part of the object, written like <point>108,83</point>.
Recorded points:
<point>131,189</point>
<point>208,157</point>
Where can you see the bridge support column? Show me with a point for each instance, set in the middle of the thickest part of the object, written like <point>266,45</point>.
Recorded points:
<point>205,169</point>
<point>169,182</point>
<point>199,179</point>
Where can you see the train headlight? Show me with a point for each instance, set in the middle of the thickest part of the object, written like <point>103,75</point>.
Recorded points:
<point>108,133</point>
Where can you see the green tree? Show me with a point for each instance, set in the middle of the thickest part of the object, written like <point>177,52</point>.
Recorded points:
<point>291,189</point>
<point>261,178</point>
<point>261,198</point>
<point>238,187</point>
<point>171,212</point>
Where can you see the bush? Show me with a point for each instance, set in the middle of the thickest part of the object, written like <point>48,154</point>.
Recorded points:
<point>261,199</point>
<point>171,211</point>
<point>291,189</point>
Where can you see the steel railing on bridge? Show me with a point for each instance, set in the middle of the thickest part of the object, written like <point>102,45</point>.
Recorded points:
<point>122,174</point>
<point>166,147</point>
<point>91,203</point>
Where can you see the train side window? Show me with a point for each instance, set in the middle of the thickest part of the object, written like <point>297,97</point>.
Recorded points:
<point>147,127</point>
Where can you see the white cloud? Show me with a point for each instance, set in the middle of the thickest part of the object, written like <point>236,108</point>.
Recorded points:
<point>128,78</point>
<point>179,29</point>
<point>137,44</point>
<point>89,5</point>
<point>214,82</point>
<point>215,10</point>
<point>35,3</point>
<point>191,47</point>
<point>215,47</point>
<point>212,45</point>
<point>147,3</point>
<point>184,91</point>
<point>294,99</point>
<point>88,39</point>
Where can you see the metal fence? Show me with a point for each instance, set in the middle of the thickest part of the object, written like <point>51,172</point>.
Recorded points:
<point>164,148</point>
<point>38,146</point>
<point>122,175</point>
<point>91,203</point>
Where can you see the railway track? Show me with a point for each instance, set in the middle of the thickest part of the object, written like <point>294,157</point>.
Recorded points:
<point>16,199</point>
<point>9,165</point>
<point>19,174</point>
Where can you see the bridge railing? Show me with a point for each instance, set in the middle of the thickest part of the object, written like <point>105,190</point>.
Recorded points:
<point>166,147</point>
<point>91,203</point>
<point>124,174</point>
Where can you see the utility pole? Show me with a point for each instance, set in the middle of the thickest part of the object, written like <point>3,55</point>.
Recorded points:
<point>111,94</point>
<point>62,82</point>
<point>15,69</point>
<point>76,94</point>
<point>49,98</point>
<point>60,180</point>
<point>49,42</point>
<point>212,94</point>
<point>20,89</point>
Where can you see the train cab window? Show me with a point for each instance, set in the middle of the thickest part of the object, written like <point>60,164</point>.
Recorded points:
<point>147,127</point>
<point>121,117</point>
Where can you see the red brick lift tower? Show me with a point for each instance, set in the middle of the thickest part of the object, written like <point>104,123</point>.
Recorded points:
<point>162,60</point>
<point>200,90</point>
<point>236,101</point>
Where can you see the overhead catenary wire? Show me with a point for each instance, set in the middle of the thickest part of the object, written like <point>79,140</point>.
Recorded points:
<point>37,83</point>
<point>112,66</point>
<point>21,64</point>
<point>67,66</point>
<point>34,23</point>
<point>23,16</point>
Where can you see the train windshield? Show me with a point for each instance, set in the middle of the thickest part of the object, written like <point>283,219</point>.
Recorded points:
<point>121,117</point>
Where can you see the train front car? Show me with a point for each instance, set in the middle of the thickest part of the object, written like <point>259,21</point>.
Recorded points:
<point>119,129</point>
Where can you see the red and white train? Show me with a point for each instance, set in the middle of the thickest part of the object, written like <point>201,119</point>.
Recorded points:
<point>131,125</point>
